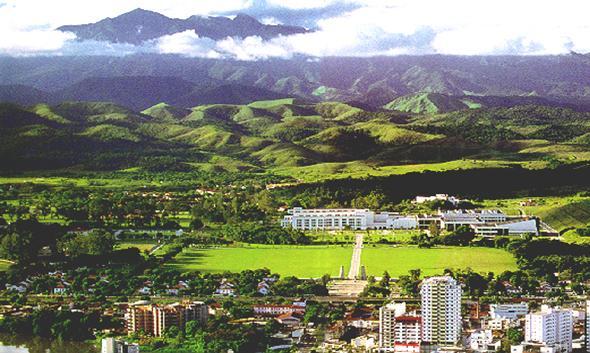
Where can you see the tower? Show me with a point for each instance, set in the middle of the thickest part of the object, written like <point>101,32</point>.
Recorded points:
<point>441,310</point>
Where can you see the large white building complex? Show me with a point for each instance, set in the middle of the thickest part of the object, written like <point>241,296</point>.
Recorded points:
<point>441,310</point>
<point>398,330</point>
<point>551,328</point>
<point>488,223</point>
<point>353,218</point>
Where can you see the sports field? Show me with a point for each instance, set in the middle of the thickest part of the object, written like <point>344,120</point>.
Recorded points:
<point>315,261</point>
<point>399,260</point>
<point>300,261</point>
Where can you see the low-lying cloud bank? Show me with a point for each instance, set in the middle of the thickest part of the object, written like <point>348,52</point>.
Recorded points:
<point>348,28</point>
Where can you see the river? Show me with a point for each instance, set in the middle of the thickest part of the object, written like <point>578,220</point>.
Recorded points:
<point>15,344</point>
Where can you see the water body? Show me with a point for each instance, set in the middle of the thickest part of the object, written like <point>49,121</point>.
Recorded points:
<point>15,344</point>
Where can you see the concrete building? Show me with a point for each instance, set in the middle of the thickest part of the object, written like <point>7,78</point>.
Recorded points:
<point>398,331</point>
<point>441,310</point>
<point>587,326</point>
<point>112,345</point>
<point>336,219</point>
<point>155,319</point>
<point>508,311</point>
<point>550,327</point>
<point>488,223</point>
<point>483,341</point>
<point>517,227</point>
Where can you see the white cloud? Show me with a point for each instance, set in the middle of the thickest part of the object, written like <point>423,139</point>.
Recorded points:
<point>186,43</point>
<point>252,48</point>
<point>304,4</point>
<point>18,43</point>
<point>270,21</point>
<point>375,27</point>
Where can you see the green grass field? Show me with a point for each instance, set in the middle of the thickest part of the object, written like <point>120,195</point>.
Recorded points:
<point>141,245</point>
<point>399,260</point>
<point>314,261</point>
<point>571,236</point>
<point>300,261</point>
<point>361,169</point>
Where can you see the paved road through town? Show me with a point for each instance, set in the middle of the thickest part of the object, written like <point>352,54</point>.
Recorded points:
<point>355,262</point>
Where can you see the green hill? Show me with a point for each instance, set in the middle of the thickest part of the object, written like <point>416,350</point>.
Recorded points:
<point>288,133</point>
<point>166,113</point>
<point>422,103</point>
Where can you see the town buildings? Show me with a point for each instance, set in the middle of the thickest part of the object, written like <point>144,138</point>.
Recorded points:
<point>154,319</point>
<point>277,310</point>
<point>399,331</point>
<point>551,328</point>
<point>483,341</point>
<point>587,326</point>
<point>112,345</point>
<point>441,310</point>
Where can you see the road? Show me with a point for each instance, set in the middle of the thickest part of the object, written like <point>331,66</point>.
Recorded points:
<point>355,261</point>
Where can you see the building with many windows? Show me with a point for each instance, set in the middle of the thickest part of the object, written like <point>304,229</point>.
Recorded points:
<point>508,311</point>
<point>551,328</point>
<point>441,310</point>
<point>155,319</point>
<point>488,223</point>
<point>587,325</point>
<point>516,227</point>
<point>353,218</point>
<point>398,330</point>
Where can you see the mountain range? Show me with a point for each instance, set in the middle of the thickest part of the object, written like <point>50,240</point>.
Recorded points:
<point>140,25</point>
<point>142,80</point>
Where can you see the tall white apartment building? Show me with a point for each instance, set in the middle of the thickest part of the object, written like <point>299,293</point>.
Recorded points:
<point>550,327</point>
<point>508,311</point>
<point>399,331</point>
<point>441,310</point>
<point>353,218</point>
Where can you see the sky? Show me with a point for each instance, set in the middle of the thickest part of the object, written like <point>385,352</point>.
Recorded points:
<point>340,27</point>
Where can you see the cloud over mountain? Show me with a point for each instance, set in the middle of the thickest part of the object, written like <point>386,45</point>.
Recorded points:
<point>337,28</point>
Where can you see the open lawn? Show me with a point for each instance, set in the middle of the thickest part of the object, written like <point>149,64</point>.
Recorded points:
<point>300,261</point>
<point>362,169</point>
<point>399,260</point>
<point>315,261</point>
<point>571,236</point>
<point>142,246</point>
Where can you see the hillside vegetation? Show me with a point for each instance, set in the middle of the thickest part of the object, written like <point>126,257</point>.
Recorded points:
<point>291,137</point>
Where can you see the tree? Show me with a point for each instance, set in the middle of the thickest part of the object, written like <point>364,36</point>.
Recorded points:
<point>17,247</point>
<point>196,224</point>
<point>514,336</point>
<point>433,230</point>
<point>97,242</point>
<point>385,279</point>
